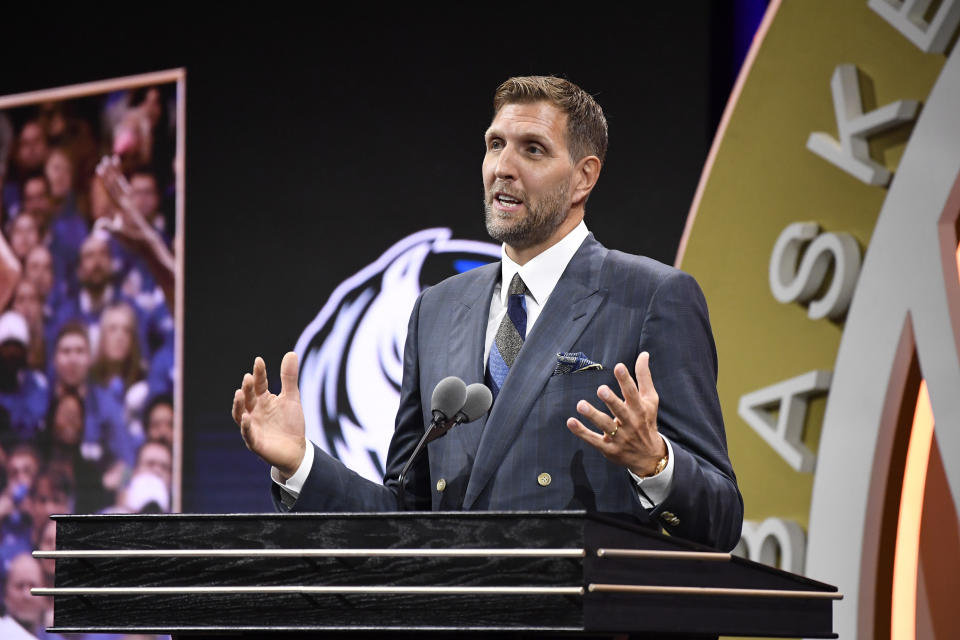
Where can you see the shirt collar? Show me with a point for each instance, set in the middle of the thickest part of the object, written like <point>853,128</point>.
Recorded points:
<point>542,272</point>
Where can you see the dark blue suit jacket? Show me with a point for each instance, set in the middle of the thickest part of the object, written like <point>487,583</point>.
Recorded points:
<point>608,305</point>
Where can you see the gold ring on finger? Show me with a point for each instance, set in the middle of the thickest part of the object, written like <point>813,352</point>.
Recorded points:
<point>616,421</point>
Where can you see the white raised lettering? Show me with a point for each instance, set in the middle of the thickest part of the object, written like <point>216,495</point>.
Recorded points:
<point>791,397</point>
<point>760,542</point>
<point>793,279</point>
<point>909,18</point>
<point>851,153</point>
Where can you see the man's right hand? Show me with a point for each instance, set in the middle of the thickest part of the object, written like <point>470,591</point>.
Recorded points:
<point>272,426</point>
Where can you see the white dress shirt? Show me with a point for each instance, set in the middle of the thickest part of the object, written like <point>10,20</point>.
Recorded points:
<point>541,275</point>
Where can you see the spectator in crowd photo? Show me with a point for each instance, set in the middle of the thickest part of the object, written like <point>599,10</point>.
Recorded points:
<point>71,360</point>
<point>29,611</point>
<point>134,272</point>
<point>36,201</point>
<point>52,492</point>
<point>63,439</point>
<point>155,457</point>
<point>28,158</point>
<point>38,269</point>
<point>118,389</point>
<point>96,291</point>
<point>131,226</point>
<point>24,234</point>
<point>16,526</point>
<point>59,172</point>
<point>68,228</point>
<point>23,391</point>
<point>158,418</point>
<point>148,490</point>
<point>27,302</point>
<point>31,147</point>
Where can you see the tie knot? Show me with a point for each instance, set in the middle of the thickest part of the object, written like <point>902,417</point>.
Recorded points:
<point>517,286</point>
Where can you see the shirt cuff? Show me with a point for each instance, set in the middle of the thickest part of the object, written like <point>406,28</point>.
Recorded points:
<point>654,489</point>
<point>294,484</point>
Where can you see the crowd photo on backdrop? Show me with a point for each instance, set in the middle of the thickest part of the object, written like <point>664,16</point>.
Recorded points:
<point>87,274</point>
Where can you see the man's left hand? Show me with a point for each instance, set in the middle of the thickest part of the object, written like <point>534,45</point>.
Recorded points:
<point>630,438</point>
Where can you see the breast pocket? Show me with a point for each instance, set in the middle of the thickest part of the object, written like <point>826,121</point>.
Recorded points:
<point>564,391</point>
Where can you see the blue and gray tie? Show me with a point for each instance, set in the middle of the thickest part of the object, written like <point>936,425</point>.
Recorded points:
<point>510,335</point>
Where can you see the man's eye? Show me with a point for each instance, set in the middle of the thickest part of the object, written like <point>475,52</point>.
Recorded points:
<point>535,150</point>
<point>496,145</point>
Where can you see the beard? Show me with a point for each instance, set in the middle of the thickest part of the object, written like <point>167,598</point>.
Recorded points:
<point>542,218</point>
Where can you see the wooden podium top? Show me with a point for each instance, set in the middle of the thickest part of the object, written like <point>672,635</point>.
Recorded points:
<point>534,572</point>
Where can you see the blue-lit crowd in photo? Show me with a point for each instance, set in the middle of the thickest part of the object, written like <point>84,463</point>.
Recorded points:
<point>87,203</point>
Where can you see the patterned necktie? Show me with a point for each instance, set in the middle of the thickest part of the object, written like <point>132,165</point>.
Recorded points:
<point>510,335</point>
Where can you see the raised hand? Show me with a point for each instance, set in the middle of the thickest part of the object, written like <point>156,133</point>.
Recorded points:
<point>130,223</point>
<point>272,426</point>
<point>132,228</point>
<point>630,438</point>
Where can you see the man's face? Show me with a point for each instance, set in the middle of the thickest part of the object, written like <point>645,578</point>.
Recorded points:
<point>71,361</point>
<point>24,574</point>
<point>155,458</point>
<point>32,150</point>
<point>59,173</point>
<point>160,424</point>
<point>38,269</point>
<point>45,501</point>
<point>116,333</point>
<point>36,200</point>
<point>21,469</point>
<point>527,173</point>
<point>144,189</point>
<point>68,422</point>
<point>27,302</point>
<point>24,235</point>
<point>95,269</point>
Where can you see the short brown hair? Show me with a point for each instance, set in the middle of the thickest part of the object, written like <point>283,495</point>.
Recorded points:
<point>586,125</point>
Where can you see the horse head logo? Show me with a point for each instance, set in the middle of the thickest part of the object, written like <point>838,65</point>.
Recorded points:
<point>351,354</point>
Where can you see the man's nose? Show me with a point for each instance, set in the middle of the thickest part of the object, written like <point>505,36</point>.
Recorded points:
<point>506,164</point>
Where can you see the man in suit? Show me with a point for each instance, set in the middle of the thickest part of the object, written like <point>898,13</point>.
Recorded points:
<point>548,328</point>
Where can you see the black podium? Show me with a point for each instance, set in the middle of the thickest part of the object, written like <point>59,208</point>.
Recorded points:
<point>543,573</point>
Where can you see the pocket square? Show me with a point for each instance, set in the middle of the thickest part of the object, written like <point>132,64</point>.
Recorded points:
<point>574,362</point>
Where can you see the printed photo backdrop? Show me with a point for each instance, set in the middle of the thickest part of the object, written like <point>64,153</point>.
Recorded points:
<point>91,218</point>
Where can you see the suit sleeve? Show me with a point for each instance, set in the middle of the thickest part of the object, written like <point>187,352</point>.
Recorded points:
<point>704,503</point>
<point>332,487</point>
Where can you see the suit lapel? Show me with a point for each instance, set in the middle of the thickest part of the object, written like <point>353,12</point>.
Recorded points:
<point>571,307</point>
<point>469,322</point>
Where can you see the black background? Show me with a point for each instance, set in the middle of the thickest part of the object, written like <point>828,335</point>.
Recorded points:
<point>315,143</point>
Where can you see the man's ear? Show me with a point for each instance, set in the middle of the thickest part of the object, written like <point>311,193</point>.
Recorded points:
<point>586,174</point>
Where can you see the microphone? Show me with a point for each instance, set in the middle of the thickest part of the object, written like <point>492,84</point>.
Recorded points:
<point>478,402</point>
<point>449,397</point>
<point>447,400</point>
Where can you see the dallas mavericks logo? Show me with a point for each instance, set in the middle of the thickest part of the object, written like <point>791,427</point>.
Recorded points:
<point>351,354</point>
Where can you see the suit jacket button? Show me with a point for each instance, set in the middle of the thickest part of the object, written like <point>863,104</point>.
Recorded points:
<point>441,484</point>
<point>670,518</point>
<point>544,479</point>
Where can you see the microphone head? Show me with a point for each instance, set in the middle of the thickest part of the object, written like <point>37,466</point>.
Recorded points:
<point>479,399</point>
<point>448,396</point>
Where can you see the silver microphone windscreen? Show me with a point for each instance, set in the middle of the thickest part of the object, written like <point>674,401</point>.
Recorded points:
<point>448,396</point>
<point>479,399</point>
